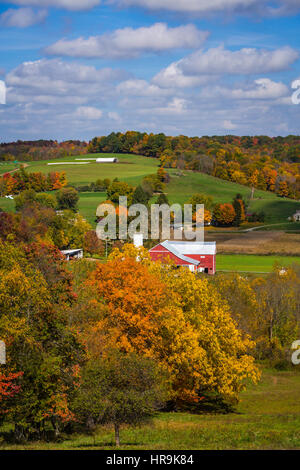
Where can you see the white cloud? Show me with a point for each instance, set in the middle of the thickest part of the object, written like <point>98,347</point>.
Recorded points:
<point>219,61</point>
<point>263,88</point>
<point>228,125</point>
<point>88,112</point>
<point>114,116</point>
<point>55,75</point>
<point>22,17</point>
<point>173,76</point>
<point>202,67</point>
<point>129,42</point>
<point>177,106</point>
<point>135,87</point>
<point>258,7</point>
<point>66,4</point>
<point>260,89</point>
<point>56,82</point>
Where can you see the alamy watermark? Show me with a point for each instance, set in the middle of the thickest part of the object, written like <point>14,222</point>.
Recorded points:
<point>296,353</point>
<point>155,222</point>
<point>2,353</point>
<point>296,94</point>
<point>2,92</point>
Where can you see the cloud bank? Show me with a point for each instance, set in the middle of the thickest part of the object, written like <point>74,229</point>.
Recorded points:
<point>129,42</point>
<point>22,17</point>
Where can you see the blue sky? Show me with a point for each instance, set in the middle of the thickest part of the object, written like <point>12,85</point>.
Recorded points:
<point>80,68</point>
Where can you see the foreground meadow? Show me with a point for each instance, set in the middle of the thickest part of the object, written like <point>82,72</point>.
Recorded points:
<point>268,417</point>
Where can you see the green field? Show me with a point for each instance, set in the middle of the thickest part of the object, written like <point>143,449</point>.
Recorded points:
<point>182,188</point>
<point>7,166</point>
<point>132,169</point>
<point>253,263</point>
<point>268,417</point>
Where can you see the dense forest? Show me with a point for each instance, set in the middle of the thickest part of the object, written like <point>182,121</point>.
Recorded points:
<point>27,151</point>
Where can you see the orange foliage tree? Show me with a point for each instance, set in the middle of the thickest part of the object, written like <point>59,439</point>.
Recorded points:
<point>173,317</point>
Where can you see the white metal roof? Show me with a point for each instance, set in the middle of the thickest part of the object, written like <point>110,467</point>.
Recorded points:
<point>70,252</point>
<point>106,160</point>
<point>191,248</point>
<point>177,253</point>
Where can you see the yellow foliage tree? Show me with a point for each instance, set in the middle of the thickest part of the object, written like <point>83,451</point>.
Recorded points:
<point>174,317</point>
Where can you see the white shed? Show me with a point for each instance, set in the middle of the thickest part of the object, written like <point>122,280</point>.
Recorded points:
<point>72,254</point>
<point>107,160</point>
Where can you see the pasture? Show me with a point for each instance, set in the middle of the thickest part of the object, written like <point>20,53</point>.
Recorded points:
<point>267,417</point>
<point>133,168</point>
<point>181,188</point>
<point>253,263</point>
<point>5,167</point>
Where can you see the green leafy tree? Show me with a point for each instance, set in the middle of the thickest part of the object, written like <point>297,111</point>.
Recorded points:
<point>140,196</point>
<point>239,208</point>
<point>162,199</point>
<point>200,198</point>
<point>67,198</point>
<point>120,389</point>
<point>119,188</point>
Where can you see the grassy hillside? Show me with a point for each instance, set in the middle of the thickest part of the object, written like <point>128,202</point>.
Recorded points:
<point>182,188</point>
<point>7,166</point>
<point>268,417</point>
<point>132,169</point>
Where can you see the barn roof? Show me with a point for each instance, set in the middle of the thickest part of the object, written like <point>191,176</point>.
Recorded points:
<point>191,248</point>
<point>177,253</point>
<point>71,252</point>
<point>107,160</point>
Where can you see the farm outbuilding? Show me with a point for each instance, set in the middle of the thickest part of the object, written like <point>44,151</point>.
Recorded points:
<point>107,160</point>
<point>197,256</point>
<point>72,254</point>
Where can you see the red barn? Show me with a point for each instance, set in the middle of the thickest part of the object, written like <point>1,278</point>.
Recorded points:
<point>197,256</point>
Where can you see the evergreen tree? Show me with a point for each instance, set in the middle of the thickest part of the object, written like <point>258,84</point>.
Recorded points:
<point>162,199</point>
<point>239,207</point>
<point>140,196</point>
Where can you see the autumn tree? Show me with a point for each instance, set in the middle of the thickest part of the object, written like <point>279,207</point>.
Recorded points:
<point>283,190</point>
<point>40,344</point>
<point>185,325</point>
<point>253,181</point>
<point>119,188</point>
<point>224,214</point>
<point>92,244</point>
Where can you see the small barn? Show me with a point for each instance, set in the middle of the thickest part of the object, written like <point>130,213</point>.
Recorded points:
<point>72,254</point>
<point>197,256</point>
<point>107,160</point>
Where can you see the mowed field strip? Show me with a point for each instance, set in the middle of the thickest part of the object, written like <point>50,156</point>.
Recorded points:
<point>253,263</point>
